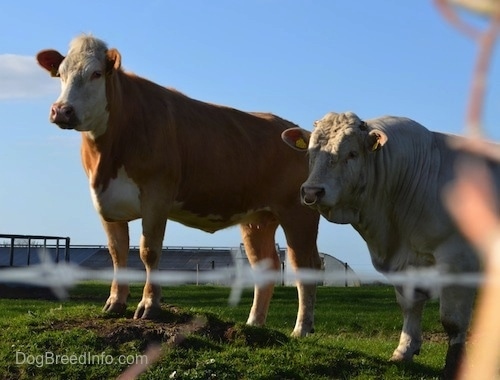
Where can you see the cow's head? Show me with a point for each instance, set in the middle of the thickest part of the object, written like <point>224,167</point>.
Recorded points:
<point>82,104</point>
<point>338,148</point>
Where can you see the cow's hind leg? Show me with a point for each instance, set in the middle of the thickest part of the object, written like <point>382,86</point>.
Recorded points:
<point>411,335</point>
<point>258,239</point>
<point>455,311</point>
<point>118,245</point>
<point>300,225</point>
<point>456,301</point>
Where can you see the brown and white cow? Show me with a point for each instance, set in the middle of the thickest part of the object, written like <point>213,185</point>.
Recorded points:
<point>386,177</point>
<point>153,153</point>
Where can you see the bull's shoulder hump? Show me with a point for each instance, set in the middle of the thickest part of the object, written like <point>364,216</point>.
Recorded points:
<point>395,123</point>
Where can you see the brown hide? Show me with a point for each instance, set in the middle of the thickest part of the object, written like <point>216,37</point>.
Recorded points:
<point>218,160</point>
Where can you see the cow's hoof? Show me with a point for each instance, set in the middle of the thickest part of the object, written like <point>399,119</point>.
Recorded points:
<point>152,312</point>
<point>453,359</point>
<point>399,356</point>
<point>115,308</point>
<point>300,333</point>
<point>396,358</point>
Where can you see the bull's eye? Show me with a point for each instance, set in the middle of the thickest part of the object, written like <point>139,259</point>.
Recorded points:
<point>96,75</point>
<point>351,156</point>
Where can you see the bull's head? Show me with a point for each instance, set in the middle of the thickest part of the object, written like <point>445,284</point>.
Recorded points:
<point>339,148</point>
<point>82,104</point>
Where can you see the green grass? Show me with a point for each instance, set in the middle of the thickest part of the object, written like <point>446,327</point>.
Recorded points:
<point>356,331</point>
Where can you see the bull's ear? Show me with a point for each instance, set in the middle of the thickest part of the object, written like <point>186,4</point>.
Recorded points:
<point>297,138</point>
<point>375,140</point>
<point>113,60</point>
<point>50,61</point>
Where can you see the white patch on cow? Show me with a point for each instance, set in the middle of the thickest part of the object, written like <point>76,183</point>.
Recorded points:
<point>120,201</point>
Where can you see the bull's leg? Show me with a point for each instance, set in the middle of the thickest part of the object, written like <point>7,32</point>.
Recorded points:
<point>259,243</point>
<point>118,245</point>
<point>301,231</point>
<point>153,231</point>
<point>456,302</point>
<point>410,340</point>
<point>455,312</point>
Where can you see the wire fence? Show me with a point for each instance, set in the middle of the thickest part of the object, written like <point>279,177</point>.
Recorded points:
<point>63,275</point>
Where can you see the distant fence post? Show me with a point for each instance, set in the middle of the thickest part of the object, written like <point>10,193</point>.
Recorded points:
<point>11,259</point>
<point>66,250</point>
<point>345,273</point>
<point>197,273</point>
<point>57,251</point>
<point>29,251</point>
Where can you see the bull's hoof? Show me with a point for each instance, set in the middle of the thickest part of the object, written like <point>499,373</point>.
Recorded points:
<point>399,356</point>
<point>453,359</point>
<point>115,308</point>
<point>301,333</point>
<point>152,312</point>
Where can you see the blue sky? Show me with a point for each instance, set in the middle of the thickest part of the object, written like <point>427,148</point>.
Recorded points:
<point>297,59</point>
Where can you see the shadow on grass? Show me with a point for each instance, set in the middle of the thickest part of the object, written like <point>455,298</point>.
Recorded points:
<point>351,364</point>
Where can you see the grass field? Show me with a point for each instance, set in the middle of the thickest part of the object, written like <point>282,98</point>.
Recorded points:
<point>202,337</point>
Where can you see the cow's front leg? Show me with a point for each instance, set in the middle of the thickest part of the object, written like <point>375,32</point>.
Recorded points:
<point>258,239</point>
<point>301,228</point>
<point>411,335</point>
<point>118,245</point>
<point>150,251</point>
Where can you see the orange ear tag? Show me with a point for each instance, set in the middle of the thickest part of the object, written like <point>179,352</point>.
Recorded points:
<point>300,143</point>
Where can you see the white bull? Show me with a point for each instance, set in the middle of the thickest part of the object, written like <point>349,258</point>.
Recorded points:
<point>385,177</point>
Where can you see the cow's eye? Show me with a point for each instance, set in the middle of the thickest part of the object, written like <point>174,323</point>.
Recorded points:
<point>352,155</point>
<point>96,75</point>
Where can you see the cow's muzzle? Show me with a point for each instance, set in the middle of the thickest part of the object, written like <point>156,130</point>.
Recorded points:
<point>311,195</point>
<point>63,115</point>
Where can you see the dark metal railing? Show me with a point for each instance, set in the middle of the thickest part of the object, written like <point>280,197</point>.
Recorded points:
<point>26,241</point>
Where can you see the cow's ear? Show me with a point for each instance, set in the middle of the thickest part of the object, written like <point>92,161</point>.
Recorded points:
<point>375,140</point>
<point>297,138</point>
<point>113,60</point>
<point>50,61</point>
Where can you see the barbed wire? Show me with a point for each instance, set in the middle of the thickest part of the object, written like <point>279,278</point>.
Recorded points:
<point>60,277</point>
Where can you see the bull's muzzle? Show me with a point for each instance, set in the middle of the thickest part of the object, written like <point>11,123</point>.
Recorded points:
<point>311,195</point>
<point>63,115</point>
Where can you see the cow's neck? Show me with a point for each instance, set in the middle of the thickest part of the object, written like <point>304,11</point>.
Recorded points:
<point>100,160</point>
<point>103,148</point>
<point>393,202</point>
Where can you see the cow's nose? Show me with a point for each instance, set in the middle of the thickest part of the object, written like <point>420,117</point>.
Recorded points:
<point>61,113</point>
<point>312,194</point>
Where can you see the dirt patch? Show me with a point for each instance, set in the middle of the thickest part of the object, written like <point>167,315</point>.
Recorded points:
<point>438,337</point>
<point>174,327</point>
